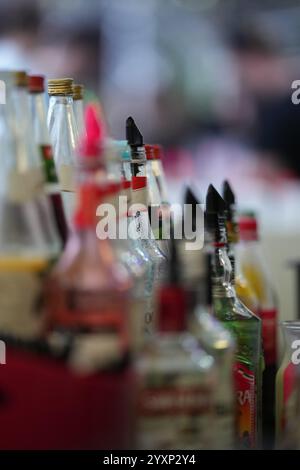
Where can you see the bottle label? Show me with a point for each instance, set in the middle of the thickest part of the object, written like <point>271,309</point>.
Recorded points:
<point>175,417</point>
<point>49,166</point>
<point>21,306</point>
<point>140,192</point>
<point>24,186</point>
<point>269,334</point>
<point>66,175</point>
<point>246,405</point>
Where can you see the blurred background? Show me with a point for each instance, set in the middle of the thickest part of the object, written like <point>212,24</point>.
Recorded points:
<point>209,79</point>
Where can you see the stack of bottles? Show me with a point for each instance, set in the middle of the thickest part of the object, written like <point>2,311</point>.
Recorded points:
<point>89,258</point>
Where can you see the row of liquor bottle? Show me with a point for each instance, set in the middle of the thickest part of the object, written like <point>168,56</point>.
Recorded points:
<point>199,325</point>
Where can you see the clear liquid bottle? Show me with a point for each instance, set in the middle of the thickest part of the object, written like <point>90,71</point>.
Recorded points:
<point>243,324</point>
<point>176,381</point>
<point>27,240</point>
<point>139,210</point>
<point>42,140</point>
<point>64,138</point>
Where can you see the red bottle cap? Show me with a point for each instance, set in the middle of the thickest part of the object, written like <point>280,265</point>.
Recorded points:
<point>36,83</point>
<point>248,228</point>
<point>91,144</point>
<point>153,151</point>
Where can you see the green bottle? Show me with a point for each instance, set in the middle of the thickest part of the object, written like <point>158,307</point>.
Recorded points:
<point>242,323</point>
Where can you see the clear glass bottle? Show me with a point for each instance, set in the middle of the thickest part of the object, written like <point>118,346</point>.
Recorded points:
<point>139,210</point>
<point>64,138</point>
<point>27,243</point>
<point>176,381</point>
<point>217,341</point>
<point>78,95</point>
<point>42,140</point>
<point>287,381</point>
<point>243,288</point>
<point>28,167</point>
<point>88,292</point>
<point>135,243</point>
<point>243,324</point>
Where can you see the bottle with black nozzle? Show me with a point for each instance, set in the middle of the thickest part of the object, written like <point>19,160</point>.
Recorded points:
<point>243,288</point>
<point>241,322</point>
<point>143,227</point>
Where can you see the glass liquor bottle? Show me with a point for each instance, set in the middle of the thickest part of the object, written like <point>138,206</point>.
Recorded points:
<point>42,140</point>
<point>78,92</point>
<point>139,210</point>
<point>27,240</point>
<point>64,138</point>
<point>88,292</point>
<point>134,242</point>
<point>217,341</point>
<point>176,380</point>
<point>28,161</point>
<point>243,324</point>
<point>254,269</point>
<point>159,216</point>
<point>243,288</point>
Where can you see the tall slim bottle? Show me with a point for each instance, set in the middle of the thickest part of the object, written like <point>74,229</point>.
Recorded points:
<point>244,325</point>
<point>255,271</point>
<point>42,140</point>
<point>139,210</point>
<point>27,242</point>
<point>175,379</point>
<point>64,138</point>
<point>243,288</point>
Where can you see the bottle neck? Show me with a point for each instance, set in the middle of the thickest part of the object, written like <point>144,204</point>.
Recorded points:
<point>79,116</point>
<point>57,102</point>
<point>39,117</point>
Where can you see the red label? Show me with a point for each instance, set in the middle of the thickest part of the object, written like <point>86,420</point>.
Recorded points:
<point>246,405</point>
<point>269,334</point>
<point>170,401</point>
